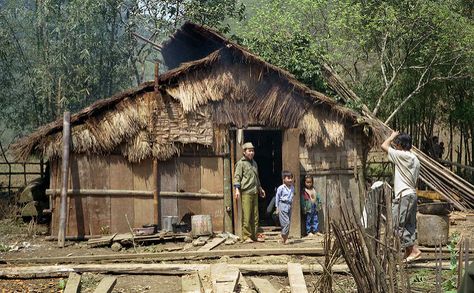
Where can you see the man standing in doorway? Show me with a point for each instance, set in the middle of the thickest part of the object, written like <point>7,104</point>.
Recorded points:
<point>247,185</point>
<point>407,169</point>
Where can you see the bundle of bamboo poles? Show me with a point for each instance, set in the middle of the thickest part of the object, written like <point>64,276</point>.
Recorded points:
<point>452,187</point>
<point>371,254</point>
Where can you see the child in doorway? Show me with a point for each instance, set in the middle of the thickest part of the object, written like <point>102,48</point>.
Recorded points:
<point>283,200</point>
<point>310,202</point>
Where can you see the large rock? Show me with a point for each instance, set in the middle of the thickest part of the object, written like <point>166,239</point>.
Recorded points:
<point>432,229</point>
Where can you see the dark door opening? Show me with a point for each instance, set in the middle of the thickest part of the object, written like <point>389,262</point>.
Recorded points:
<point>268,146</point>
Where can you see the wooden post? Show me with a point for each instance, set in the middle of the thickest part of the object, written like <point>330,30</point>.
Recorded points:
<point>291,162</point>
<point>64,176</point>
<point>156,191</point>
<point>227,194</point>
<point>156,174</point>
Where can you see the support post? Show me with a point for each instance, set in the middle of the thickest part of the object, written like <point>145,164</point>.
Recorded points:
<point>156,174</point>
<point>64,176</point>
<point>291,162</point>
<point>227,194</point>
<point>156,191</point>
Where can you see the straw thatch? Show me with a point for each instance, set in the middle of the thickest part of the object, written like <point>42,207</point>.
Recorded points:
<point>196,104</point>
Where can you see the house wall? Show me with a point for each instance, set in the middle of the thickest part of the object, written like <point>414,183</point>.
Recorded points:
<point>334,171</point>
<point>104,214</point>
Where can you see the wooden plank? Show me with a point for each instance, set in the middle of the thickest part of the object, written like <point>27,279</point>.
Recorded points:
<point>315,251</point>
<point>205,277</point>
<point>143,205</point>
<point>263,285</point>
<point>227,195</point>
<point>78,220</point>
<point>320,186</point>
<point>168,182</point>
<point>212,178</point>
<point>168,175</point>
<point>290,151</point>
<point>296,278</point>
<point>334,200</point>
<point>55,200</point>
<point>243,286</point>
<point>189,174</point>
<point>214,208</point>
<point>120,178</point>
<point>165,269</point>
<point>191,283</point>
<point>106,285</point>
<point>99,206</point>
<point>212,244</point>
<point>73,283</point>
<point>224,278</point>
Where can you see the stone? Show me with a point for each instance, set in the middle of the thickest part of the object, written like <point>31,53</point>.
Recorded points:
<point>116,246</point>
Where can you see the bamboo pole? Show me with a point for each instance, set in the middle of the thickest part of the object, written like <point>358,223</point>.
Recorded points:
<point>64,176</point>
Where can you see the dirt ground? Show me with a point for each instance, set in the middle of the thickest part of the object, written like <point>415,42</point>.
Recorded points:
<point>26,244</point>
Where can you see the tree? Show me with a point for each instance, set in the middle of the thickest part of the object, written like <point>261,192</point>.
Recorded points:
<point>57,55</point>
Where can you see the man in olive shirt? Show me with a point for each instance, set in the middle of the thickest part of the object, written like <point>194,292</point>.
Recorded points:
<point>247,185</point>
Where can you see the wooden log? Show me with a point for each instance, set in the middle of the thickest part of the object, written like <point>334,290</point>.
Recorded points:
<point>212,244</point>
<point>106,285</point>
<point>263,285</point>
<point>224,278</point>
<point>296,278</point>
<point>41,271</point>
<point>191,283</point>
<point>170,255</point>
<point>73,283</point>
<point>64,175</point>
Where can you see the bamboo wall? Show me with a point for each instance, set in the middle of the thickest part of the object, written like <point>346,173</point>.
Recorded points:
<point>104,214</point>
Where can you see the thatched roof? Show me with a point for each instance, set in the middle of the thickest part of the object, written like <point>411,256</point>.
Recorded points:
<point>195,105</point>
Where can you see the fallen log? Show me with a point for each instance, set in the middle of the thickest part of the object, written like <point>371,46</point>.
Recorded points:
<point>175,255</point>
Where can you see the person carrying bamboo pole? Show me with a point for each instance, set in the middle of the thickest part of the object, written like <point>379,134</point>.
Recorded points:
<point>407,169</point>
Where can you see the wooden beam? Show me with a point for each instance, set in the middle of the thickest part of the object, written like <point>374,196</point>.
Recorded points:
<point>227,194</point>
<point>65,176</point>
<point>171,255</point>
<point>156,191</point>
<point>120,192</point>
<point>212,244</point>
<point>106,285</point>
<point>73,283</point>
<point>191,283</point>
<point>296,278</point>
<point>291,162</point>
<point>224,278</point>
<point>263,285</point>
<point>41,271</point>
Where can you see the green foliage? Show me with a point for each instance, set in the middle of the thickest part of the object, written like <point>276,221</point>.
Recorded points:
<point>57,55</point>
<point>450,284</point>
<point>4,248</point>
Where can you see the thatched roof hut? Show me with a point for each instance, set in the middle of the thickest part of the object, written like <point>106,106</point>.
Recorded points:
<point>200,103</point>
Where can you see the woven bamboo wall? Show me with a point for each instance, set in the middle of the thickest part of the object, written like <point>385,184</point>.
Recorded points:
<point>103,214</point>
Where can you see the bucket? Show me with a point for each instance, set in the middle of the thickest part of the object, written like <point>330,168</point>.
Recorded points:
<point>168,222</point>
<point>201,225</point>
